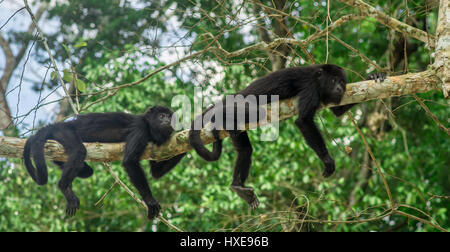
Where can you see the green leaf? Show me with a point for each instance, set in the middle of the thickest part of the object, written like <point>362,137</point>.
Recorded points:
<point>66,48</point>
<point>67,75</point>
<point>81,44</point>
<point>53,75</point>
<point>81,86</point>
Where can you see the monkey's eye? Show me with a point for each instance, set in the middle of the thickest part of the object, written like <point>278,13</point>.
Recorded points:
<point>161,116</point>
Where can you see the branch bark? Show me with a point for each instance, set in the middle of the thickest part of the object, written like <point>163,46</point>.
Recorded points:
<point>442,59</point>
<point>179,143</point>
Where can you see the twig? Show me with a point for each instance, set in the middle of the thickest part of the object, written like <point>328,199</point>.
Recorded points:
<point>44,41</point>
<point>106,193</point>
<point>420,219</point>
<point>431,114</point>
<point>392,23</point>
<point>355,51</point>
<point>139,201</point>
<point>388,191</point>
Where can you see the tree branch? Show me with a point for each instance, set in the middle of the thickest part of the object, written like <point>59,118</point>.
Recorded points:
<point>179,143</point>
<point>392,23</point>
<point>442,59</point>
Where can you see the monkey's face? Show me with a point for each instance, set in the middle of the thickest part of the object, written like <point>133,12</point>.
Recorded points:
<point>332,83</point>
<point>164,119</point>
<point>337,87</point>
<point>161,118</point>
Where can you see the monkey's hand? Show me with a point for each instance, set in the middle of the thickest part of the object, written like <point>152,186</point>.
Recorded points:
<point>153,209</point>
<point>329,166</point>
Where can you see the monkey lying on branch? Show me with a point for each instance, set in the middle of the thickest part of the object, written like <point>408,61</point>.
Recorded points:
<point>135,130</point>
<point>313,85</point>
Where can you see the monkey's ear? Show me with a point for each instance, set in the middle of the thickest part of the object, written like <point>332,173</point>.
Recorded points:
<point>150,111</point>
<point>149,114</point>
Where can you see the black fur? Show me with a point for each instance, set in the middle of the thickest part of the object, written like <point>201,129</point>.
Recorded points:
<point>196,142</point>
<point>136,130</point>
<point>313,85</point>
<point>159,169</point>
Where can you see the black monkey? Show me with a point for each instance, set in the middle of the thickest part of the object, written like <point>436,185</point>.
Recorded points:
<point>159,169</point>
<point>313,85</point>
<point>136,130</point>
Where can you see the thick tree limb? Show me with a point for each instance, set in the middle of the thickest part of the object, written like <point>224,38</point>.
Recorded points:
<point>442,59</point>
<point>356,92</point>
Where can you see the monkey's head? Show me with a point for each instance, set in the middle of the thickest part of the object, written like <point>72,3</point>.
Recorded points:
<point>159,120</point>
<point>332,82</point>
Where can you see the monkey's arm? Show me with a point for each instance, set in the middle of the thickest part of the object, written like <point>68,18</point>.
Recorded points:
<point>135,145</point>
<point>308,104</point>
<point>340,110</point>
<point>314,139</point>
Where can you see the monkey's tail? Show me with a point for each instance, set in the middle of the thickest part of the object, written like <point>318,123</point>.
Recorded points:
<point>36,143</point>
<point>196,142</point>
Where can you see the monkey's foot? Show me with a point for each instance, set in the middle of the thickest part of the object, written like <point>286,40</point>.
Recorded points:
<point>247,194</point>
<point>72,206</point>
<point>153,209</point>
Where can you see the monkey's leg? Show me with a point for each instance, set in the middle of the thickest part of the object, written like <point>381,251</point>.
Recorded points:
<point>76,154</point>
<point>340,110</point>
<point>134,147</point>
<point>244,150</point>
<point>159,169</point>
<point>86,172</point>
<point>314,139</point>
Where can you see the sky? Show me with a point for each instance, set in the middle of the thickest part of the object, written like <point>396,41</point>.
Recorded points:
<point>20,96</point>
